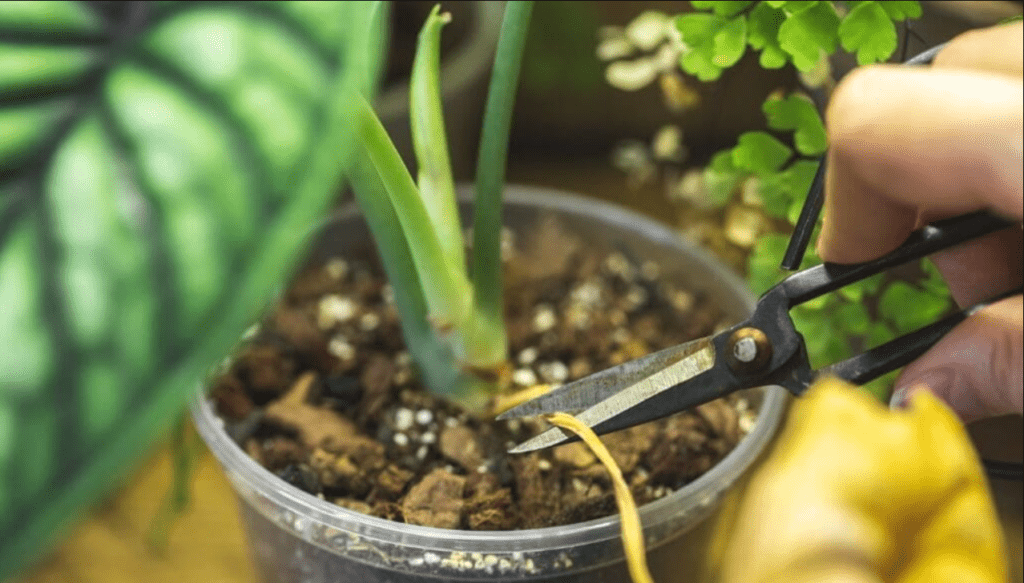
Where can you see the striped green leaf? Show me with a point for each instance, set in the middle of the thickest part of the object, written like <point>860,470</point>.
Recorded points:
<point>160,166</point>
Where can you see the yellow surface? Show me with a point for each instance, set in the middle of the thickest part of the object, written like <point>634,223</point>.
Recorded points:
<point>868,495</point>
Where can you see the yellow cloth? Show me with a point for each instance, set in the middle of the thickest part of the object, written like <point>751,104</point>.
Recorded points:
<point>856,493</point>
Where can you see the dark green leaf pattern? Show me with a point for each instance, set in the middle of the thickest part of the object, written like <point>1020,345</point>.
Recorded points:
<point>160,164</point>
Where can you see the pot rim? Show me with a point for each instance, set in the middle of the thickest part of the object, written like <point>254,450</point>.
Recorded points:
<point>702,493</point>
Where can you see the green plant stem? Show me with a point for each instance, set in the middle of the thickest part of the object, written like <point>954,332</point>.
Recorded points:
<point>434,358</point>
<point>446,290</point>
<point>487,345</point>
<point>434,176</point>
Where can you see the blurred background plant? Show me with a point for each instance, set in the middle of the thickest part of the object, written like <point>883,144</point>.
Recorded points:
<point>744,201</point>
<point>160,167</point>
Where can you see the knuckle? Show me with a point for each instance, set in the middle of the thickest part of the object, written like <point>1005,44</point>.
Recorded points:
<point>959,51</point>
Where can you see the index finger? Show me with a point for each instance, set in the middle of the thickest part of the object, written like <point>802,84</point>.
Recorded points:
<point>902,139</point>
<point>944,141</point>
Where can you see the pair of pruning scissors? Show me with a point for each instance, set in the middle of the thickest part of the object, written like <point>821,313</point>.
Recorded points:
<point>765,349</point>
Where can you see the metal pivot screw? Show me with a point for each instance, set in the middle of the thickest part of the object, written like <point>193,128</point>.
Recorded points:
<point>749,350</point>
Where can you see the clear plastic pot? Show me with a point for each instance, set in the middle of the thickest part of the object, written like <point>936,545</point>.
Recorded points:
<point>296,537</point>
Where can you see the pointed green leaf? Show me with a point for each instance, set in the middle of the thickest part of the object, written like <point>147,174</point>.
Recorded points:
<point>152,195</point>
<point>808,33</point>
<point>446,290</point>
<point>488,343</point>
<point>434,357</point>
<point>434,177</point>
<point>868,30</point>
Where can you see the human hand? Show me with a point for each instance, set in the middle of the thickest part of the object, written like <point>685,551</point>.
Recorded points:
<point>837,501</point>
<point>912,145</point>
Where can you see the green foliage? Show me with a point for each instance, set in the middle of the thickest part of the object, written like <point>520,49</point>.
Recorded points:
<point>909,307</point>
<point>725,9</point>
<point>721,177</point>
<point>488,344</point>
<point>760,153</point>
<point>899,10</point>
<point>786,32</point>
<point>763,266</point>
<point>701,34</point>
<point>808,33</point>
<point>779,191</point>
<point>434,178</point>
<point>869,31</point>
<point>158,166</point>
<point>801,33</point>
<point>797,113</point>
<point>450,321</point>
<point>763,35</point>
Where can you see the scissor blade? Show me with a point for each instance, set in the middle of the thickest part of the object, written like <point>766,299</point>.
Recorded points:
<point>590,390</point>
<point>621,409</point>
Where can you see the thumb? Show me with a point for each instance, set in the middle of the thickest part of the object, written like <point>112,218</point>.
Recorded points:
<point>976,368</point>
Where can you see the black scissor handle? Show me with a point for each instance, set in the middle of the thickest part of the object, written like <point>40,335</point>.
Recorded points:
<point>827,277</point>
<point>873,363</point>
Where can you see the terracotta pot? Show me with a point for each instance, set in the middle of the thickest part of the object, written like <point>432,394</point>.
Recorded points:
<point>297,537</point>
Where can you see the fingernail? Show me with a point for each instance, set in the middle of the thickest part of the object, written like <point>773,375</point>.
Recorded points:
<point>899,398</point>
<point>936,380</point>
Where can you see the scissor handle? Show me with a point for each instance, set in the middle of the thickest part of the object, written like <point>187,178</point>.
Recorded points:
<point>827,277</point>
<point>869,365</point>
